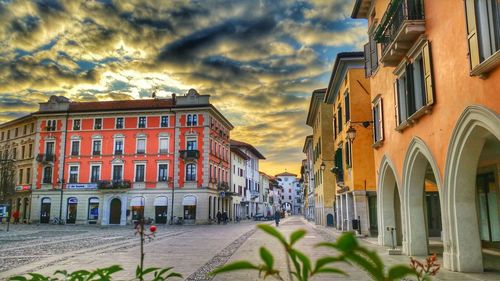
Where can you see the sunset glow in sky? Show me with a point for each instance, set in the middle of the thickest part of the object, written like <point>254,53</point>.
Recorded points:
<point>259,60</point>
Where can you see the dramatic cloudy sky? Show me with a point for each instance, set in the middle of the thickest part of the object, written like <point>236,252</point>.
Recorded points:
<point>259,60</point>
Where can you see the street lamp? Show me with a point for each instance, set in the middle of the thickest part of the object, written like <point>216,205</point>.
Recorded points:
<point>322,167</point>
<point>351,132</point>
<point>60,182</point>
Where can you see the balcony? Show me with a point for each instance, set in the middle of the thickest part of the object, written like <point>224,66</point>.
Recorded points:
<point>45,158</point>
<point>402,23</point>
<point>189,154</point>
<point>113,185</point>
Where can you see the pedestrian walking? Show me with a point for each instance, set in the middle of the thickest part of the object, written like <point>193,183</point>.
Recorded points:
<point>224,217</point>
<point>277,216</point>
<point>15,215</point>
<point>219,217</point>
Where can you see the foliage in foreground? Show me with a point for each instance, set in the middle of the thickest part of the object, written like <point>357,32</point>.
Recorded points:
<point>349,252</point>
<point>101,274</point>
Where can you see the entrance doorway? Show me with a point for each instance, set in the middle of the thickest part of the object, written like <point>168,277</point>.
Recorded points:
<point>115,211</point>
<point>25,210</point>
<point>45,210</point>
<point>189,208</point>
<point>389,207</point>
<point>161,209</point>
<point>71,210</point>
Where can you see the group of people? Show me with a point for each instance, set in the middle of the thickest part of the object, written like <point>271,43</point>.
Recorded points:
<point>222,217</point>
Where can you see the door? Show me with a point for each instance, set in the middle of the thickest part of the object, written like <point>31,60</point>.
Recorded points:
<point>115,211</point>
<point>45,211</point>
<point>433,214</point>
<point>25,210</point>
<point>372,207</point>
<point>71,210</point>
<point>160,214</point>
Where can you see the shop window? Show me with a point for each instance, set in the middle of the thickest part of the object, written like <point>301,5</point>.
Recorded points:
<point>93,213</point>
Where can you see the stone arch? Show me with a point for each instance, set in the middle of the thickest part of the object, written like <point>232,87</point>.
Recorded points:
<point>387,192</point>
<point>418,158</point>
<point>466,144</point>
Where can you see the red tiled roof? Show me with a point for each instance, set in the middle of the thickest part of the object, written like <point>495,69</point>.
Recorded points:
<point>120,105</point>
<point>240,153</point>
<point>248,146</point>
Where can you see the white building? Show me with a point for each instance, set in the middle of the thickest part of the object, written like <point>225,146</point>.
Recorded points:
<point>309,178</point>
<point>238,171</point>
<point>250,201</point>
<point>264,194</point>
<point>291,192</point>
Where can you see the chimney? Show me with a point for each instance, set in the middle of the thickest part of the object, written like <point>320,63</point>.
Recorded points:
<point>173,99</point>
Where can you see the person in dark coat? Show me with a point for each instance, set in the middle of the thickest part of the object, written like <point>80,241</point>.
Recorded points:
<point>219,217</point>
<point>277,216</point>
<point>224,217</point>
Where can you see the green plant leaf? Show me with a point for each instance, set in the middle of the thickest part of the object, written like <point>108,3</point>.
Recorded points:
<point>164,270</point>
<point>346,243</point>
<point>18,278</point>
<point>399,271</point>
<point>239,265</point>
<point>138,272</point>
<point>296,236</point>
<point>326,260</point>
<point>331,270</point>
<point>267,257</point>
<point>173,274</point>
<point>273,232</point>
<point>149,270</point>
<point>38,277</point>
<point>306,264</point>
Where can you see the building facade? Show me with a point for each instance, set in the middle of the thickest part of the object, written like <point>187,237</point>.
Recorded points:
<point>251,200</point>
<point>238,171</point>
<point>435,105</point>
<point>349,95</point>
<point>308,175</point>
<point>291,192</point>
<point>111,162</point>
<point>265,184</point>
<point>17,142</point>
<point>319,118</point>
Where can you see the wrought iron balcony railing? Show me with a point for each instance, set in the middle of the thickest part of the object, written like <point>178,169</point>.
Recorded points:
<point>189,154</point>
<point>114,184</point>
<point>45,158</point>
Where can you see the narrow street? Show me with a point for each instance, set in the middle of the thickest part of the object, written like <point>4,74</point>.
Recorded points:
<point>192,250</point>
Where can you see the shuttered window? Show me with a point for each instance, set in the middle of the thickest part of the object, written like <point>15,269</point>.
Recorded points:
<point>371,57</point>
<point>378,125</point>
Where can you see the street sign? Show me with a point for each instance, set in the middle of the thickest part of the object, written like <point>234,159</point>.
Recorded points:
<point>4,210</point>
<point>20,188</point>
<point>222,194</point>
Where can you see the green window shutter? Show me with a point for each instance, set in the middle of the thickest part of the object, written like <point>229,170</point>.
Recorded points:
<point>368,70</point>
<point>426,55</point>
<point>472,37</point>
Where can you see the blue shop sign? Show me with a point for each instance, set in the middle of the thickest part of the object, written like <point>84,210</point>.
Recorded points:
<point>81,186</point>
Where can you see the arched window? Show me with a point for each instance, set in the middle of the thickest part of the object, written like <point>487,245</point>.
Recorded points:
<point>190,172</point>
<point>195,119</point>
<point>189,120</point>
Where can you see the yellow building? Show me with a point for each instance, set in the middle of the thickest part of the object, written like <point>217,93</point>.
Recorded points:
<point>17,144</point>
<point>348,94</point>
<point>319,118</point>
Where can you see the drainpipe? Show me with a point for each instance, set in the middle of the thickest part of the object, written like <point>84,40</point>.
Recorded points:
<point>63,163</point>
<point>173,164</point>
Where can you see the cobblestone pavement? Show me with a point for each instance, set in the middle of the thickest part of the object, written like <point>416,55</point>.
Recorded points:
<point>192,250</point>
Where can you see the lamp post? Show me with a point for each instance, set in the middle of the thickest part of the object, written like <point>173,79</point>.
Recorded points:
<point>60,182</point>
<point>351,132</point>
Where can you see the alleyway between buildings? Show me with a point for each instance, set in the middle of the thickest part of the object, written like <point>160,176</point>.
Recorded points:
<point>192,250</point>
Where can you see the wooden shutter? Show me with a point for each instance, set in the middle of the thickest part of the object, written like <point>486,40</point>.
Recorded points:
<point>396,108</point>
<point>368,69</point>
<point>381,118</point>
<point>472,37</point>
<point>426,58</point>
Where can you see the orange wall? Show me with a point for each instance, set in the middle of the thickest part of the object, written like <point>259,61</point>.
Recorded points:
<point>454,88</point>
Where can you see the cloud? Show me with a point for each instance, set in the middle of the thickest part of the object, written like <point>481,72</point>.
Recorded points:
<point>259,60</point>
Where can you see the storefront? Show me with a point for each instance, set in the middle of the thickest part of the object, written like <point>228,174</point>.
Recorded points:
<point>45,210</point>
<point>189,206</point>
<point>71,210</point>
<point>93,210</point>
<point>137,205</point>
<point>161,209</point>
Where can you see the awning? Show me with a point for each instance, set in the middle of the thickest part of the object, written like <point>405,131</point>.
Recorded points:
<point>72,200</point>
<point>137,202</point>
<point>189,201</point>
<point>161,201</point>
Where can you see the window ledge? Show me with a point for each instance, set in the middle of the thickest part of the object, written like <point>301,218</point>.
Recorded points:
<point>378,144</point>
<point>413,119</point>
<point>486,66</point>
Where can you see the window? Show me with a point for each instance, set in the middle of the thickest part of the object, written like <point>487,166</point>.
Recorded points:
<point>76,124</point>
<point>97,123</point>
<point>371,56</point>
<point>142,122</point>
<point>95,173</point>
<point>49,149</point>
<point>348,154</point>
<point>378,125</point>
<point>347,107</point>
<point>47,174</point>
<point>93,208</point>
<point>75,148</point>
<point>118,146</point>
<point>3,135</point>
<point>162,172</point>
<point>117,172</point>
<point>32,127</point>
<point>51,125</point>
<point>30,150</point>
<point>23,151</point>
<point>163,145</point>
<point>25,129</point>
<point>96,147</point>
<point>195,119</point>
<point>139,172</point>
<point>119,123</point>
<point>21,176</point>
<point>190,172</point>
<point>14,153</point>
<point>28,175</point>
<point>141,146</point>
<point>413,88</point>
<point>483,30</point>
<point>189,120</point>
<point>73,174</point>
<point>339,118</point>
<point>164,122</point>
<point>191,145</point>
